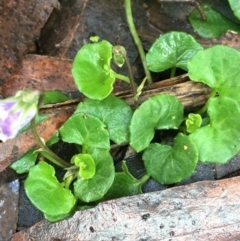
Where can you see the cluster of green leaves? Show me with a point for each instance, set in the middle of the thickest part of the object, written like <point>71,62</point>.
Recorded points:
<point>212,135</point>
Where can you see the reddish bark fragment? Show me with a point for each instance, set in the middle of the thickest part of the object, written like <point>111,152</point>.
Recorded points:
<point>205,210</point>
<point>21,23</point>
<point>41,73</point>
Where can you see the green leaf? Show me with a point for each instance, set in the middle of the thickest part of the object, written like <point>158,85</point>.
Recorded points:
<point>113,112</point>
<point>235,6</point>
<point>85,130</point>
<point>125,184</point>
<point>168,164</point>
<point>219,70</point>
<point>170,50</point>
<point>214,26</point>
<point>193,122</point>
<point>93,189</point>
<point>92,72</point>
<point>46,193</point>
<point>220,140</point>
<point>25,162</point>
<point>86,164</point>
<point>54,96</point>
<point>162,111</point>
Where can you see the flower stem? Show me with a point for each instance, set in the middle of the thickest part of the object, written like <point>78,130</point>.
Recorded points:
<point>128,11</point>
<point>132,82</point>
<point>173,72</point>
<point>205,107</point>
<point>51,156</point>
<point>122,77</point>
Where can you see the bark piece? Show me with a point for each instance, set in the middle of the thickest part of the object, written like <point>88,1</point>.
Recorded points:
<point>9,192</point>
<point>205,210</point>
<point>21,23</point>
<point>41,73</point>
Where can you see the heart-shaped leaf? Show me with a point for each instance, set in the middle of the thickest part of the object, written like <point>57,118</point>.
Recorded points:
<point>93,189</point>
<point>220,140</point>
<point>170,50</point>
<point>85,130</point>
<point>217,70</point>
<point>162,111</point>
<point>113,112</point>
<point>215,24</point>
<point>168,164</point>
<point>92,72</point>
<point>235,6</point>
<point>46,193</point>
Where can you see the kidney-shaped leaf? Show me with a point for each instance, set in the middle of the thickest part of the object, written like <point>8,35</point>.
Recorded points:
<point>113,112</point>
<point>162,111</point>
<point>220,140</point>
<point>215,24</point>
<point>172,49</point>
<point>46,193</point>
<point>89,190</point>
<point>85,130</point>
<point>168,164</point>
<point>235,6</point>
<point>218,68</point>
<point>91,70</point>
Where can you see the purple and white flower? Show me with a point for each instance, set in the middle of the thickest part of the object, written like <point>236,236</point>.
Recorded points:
<point>16,112</point>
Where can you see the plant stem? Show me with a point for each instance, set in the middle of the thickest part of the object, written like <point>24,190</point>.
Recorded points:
<point>46,151</point>
<point>128,11</point>
<point>204,108</point>
<point>144,179</point>
<point>132,82</point>
<point>122,77</point>
<point>173,72</point>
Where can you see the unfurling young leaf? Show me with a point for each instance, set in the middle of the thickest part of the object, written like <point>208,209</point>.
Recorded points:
<point>193,122</point>
<point>86,164</point>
